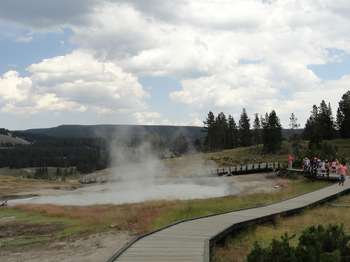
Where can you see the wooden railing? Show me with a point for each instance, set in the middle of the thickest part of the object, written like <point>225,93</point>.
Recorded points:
<point>243,169</point>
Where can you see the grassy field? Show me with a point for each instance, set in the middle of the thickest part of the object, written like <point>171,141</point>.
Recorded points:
<point>32,224</point>
<point>236,248</point>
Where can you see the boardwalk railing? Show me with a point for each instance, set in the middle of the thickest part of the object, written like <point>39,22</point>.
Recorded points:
<point>243,169</point>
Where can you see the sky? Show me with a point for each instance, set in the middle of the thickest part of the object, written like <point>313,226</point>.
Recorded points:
<point>169,62</point>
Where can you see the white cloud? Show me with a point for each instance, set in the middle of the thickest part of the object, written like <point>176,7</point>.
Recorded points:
<point>74,82</point>
<point>24,39</point>
<point>227,54</point>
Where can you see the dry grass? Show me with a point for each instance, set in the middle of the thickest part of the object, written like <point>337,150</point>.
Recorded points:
<point>10,185</point>
<point>237,247</point>
<point>144,217</point>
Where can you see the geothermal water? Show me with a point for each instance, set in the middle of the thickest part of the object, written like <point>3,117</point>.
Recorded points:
<point>138,175</point>
<point>124,192</point>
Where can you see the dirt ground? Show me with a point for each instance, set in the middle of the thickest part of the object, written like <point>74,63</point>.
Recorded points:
<point>95,248</point>
<point>257,183</point>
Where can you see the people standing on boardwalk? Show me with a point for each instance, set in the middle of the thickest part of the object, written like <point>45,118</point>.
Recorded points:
<point>343,171</point>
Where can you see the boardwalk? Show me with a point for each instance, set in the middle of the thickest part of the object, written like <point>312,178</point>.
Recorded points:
<point>191,240</point>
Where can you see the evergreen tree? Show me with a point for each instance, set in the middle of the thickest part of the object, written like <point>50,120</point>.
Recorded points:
<point>312,127</point>
<point>221,131</point>
<point>272,133</point>
<point>256,130</point>
<point>325,121</point>
<point>343,116</point>
<point>295,138</point>
<point>180,145</point>
<point>209,128</point>
<point>232,132</point>
<point>245,137</point>
<point>293,122</point>
<point>320,124</point>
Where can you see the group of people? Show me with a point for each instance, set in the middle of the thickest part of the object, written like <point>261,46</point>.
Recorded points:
<point>316,166</point>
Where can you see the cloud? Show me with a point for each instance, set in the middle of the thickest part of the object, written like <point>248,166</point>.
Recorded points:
<point>226,54</point>
<point>46,15</point>
<point>74,82</point>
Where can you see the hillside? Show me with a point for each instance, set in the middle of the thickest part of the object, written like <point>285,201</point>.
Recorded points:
<point>6,140</point>
<point>115,131</point>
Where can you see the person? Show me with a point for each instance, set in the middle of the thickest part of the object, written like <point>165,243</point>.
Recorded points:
<point>334,167</point>
<point>327,168</point>
<point>314,166</point>
<point>343,171</point>
<point>290,161</point>
<point>321,167</point>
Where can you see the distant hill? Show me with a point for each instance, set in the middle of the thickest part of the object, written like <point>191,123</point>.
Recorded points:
<point>9,140</point>
<point>115,131</point>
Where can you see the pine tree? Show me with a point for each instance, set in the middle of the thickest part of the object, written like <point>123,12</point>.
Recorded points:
<point>209,127</point>
<point>325,121</point>
<point>221,131</point>
<point>256,130</point>
<point>272,133</point>
<point>293,122</point>
<point>295,138</point>
<point>343,116</point>
<point>312,128</point>
<point>232,132</point>
<point>245,137</point>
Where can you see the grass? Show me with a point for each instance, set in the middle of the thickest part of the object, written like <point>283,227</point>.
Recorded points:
<point>135,218</point>
<point>196,208</point>
<point>236,248</point>
<point>10,185</point>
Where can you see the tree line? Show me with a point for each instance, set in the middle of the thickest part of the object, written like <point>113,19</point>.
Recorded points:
<point>321,125</point>
<point>222,132</point>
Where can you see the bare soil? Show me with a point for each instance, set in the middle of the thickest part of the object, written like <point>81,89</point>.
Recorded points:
<point>94,248</point>
<point>14,229</point>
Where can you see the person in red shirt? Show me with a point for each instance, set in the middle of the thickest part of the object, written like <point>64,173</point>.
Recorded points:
<point>343,171</point>
<point>290,161</point>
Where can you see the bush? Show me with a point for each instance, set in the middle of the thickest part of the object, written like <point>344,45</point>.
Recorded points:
<point>316,244</point>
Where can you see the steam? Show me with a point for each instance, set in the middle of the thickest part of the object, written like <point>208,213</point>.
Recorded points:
<point>138,174</point>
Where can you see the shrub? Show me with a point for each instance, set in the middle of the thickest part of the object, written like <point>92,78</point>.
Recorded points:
<point>316,244</point>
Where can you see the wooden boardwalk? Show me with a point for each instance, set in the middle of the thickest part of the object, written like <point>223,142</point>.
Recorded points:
<point>252,168</point>
<point>192,240</point>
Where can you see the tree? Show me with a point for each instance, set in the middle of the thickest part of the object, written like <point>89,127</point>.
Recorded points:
<point>232,136</point>
<point>256,130</point>
<point>343,116</point>
<point>326,121</point>
<point>245,137</point>
<point>312,128</point>
<point>221,131</point>
<point>209,128</point>
<point>293,122</point>
<point>320,124</point>
<point>180,145</point>
<point>272,133</point>
<point>294,138</point>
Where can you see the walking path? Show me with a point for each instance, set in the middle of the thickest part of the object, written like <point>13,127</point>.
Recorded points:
<point>191,240</point>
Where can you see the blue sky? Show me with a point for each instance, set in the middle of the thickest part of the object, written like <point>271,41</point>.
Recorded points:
<point>123,62</point>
